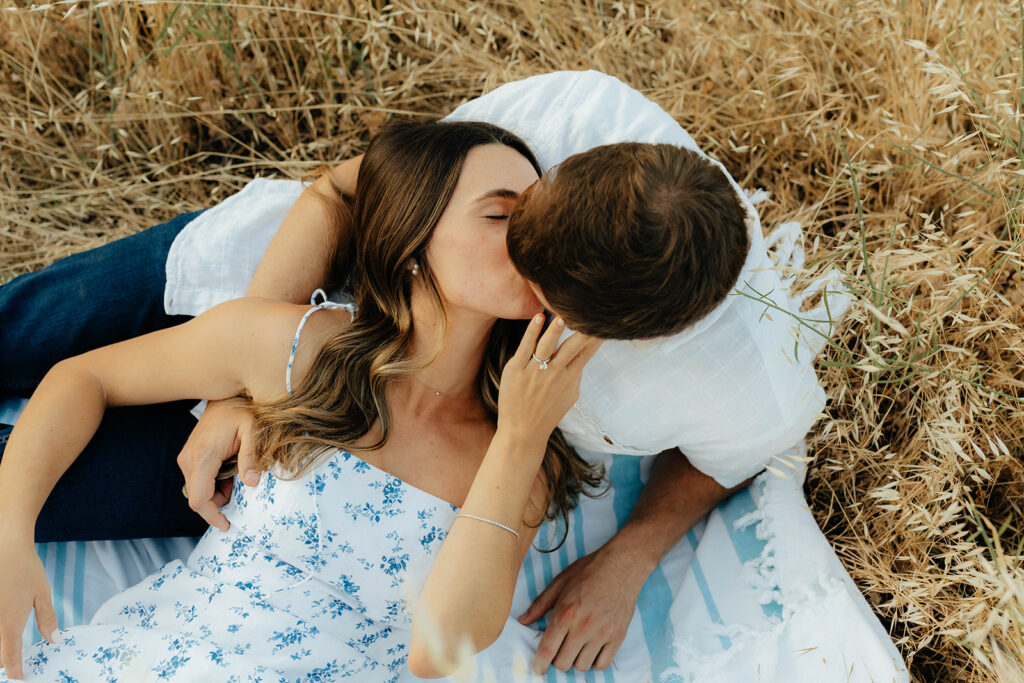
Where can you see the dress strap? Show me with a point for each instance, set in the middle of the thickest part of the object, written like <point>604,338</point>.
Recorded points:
<point>302,323</point>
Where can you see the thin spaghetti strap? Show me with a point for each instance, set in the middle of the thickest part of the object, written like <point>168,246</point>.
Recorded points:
<point>298,332</point>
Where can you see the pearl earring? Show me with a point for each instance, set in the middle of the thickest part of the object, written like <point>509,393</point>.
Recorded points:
<point>415,268</point>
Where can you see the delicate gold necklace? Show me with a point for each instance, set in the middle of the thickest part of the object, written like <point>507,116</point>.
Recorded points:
<point>440,394</point>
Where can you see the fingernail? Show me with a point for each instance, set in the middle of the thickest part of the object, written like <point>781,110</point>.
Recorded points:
<point>537,319</point>
<point>521,618</point>
<point>251,477</point>
<point>559,322</point>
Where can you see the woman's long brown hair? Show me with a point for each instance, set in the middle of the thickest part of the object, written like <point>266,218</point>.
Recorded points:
<point>405,181</point>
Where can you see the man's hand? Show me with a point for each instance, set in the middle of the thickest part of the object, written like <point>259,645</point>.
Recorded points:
<point>592,601</point>
<point>591,605</point>
<point>225,429</point>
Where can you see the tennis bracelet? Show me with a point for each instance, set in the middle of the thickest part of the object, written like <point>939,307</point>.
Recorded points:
<point>489,521</point>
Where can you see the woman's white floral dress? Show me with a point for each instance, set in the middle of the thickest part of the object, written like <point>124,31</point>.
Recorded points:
<point>312,582</point>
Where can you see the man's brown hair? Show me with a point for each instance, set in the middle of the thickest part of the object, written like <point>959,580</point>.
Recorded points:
<point>632,240</point>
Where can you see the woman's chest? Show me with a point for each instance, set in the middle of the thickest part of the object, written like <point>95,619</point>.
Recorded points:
<point>439,459</point>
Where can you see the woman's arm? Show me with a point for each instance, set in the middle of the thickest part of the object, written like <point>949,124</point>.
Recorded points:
<point>468,594</point>
<point>228,350</point>
<point>298,259</point>
<point>240,346</point>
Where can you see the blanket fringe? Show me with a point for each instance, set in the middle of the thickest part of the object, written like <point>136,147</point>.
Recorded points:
<point>790,571</point>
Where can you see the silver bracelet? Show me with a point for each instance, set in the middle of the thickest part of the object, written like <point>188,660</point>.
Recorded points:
<point>489,521</point>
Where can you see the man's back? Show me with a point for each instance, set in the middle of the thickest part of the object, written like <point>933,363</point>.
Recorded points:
<point>733,388</point>
<point>729,396</point>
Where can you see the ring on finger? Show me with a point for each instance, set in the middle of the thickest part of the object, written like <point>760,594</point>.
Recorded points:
<point>543,362</point>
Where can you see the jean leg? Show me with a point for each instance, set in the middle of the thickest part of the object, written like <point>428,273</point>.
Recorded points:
<point>87,300</point>
<point>126,483</point>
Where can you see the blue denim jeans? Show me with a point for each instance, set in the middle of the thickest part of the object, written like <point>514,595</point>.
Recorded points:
<point>126,483</point>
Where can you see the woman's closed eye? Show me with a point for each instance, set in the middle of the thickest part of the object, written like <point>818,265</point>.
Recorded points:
<point>498,217</point>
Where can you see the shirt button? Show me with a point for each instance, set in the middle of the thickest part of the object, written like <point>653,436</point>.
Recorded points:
<point>608,439</point>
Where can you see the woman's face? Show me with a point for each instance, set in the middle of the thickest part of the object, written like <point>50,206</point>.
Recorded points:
<point>467,253</point>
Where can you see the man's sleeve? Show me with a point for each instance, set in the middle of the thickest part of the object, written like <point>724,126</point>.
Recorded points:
<point>776,399</point>
<point>566,112</point>
<point>731,465</point>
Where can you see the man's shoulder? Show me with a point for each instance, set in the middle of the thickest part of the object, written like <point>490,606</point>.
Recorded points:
<point>738,350</point>
<point>563,113</point>
<point>547,88</point>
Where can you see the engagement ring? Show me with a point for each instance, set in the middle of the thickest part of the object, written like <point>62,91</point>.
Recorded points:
<point>543,363</point>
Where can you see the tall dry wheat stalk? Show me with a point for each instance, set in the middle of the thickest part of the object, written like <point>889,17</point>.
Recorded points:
<point>891,130</point>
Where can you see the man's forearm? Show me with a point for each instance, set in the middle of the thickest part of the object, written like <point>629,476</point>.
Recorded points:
<point>676,497</point>
<point>299,257</point>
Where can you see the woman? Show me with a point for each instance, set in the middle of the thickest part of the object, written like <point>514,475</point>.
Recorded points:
<point>315,576</point>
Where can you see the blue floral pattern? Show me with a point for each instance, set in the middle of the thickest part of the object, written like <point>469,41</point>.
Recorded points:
<point>312,582</point>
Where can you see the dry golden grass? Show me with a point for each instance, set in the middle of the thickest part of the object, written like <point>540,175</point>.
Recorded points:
<point>892,131</point>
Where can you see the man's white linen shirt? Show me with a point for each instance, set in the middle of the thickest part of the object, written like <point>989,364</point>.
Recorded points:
<point>731,391</point>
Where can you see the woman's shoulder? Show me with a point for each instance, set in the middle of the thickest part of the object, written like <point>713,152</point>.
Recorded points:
<point>270,316</point>
<point>277,336</point>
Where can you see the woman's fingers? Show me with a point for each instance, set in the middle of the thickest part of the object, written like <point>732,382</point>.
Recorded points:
<point>24,589</point>
<point>569,348</point>
<point>528,342</point>
<point>569,353</point>
<point>549,340</point>
<point>590,348</point>
<point>46,617</point>
<point>10,652</point>
<point>577,347</point>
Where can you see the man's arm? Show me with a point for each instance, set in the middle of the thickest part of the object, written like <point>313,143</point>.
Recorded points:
<point>676,497</point>
<point>298,259</point>
<point>592,601</point>
<point>297,262</point>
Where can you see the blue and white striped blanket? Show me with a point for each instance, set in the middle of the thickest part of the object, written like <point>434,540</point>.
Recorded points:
<point>753,592</point>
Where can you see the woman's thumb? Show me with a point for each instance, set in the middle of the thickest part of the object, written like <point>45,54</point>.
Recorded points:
<point>46,619</point>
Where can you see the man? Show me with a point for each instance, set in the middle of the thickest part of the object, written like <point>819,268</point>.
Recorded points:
<point>710,386</point>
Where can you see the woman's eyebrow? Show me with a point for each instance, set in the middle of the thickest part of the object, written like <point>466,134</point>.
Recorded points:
<point>501,193</point>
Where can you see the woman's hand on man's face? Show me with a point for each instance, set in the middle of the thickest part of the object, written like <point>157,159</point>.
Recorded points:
<point>225,429</point>
<point>542,380</point>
